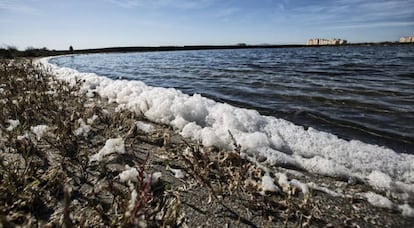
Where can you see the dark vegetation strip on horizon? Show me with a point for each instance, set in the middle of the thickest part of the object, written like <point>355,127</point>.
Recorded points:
<point>12,52</point>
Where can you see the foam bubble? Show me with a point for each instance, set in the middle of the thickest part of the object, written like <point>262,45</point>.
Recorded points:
<point>115,145</point>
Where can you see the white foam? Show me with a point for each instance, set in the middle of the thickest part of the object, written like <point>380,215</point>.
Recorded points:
<point>22,137</point>
<point>383,202</point>
<point>303,187</point>
<point>115,145</point>
<point>268,185</point>
<point>152,178</point>
<point>379,180</point>
<point>83,128</point>
<point>280,141</point>
<point>379,200</point>
<point>283,182</point>
<point>145,127</point>
<point>39,130</point>
<point>178,173</point>
<point>129,174</point>
<point>12,124</point>
<point>406,210</point>
<point>324,189</point>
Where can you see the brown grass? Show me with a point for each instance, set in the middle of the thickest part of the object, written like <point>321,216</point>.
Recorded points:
<point>49,180</point>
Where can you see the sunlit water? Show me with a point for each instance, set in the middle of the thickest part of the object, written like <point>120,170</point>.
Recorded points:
<point>363,93</point>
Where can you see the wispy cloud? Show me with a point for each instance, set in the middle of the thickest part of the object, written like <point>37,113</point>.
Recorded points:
<point>125,3</point>
<point>391,9</point>
<point>18,6</point>
<point>226,13</point>
<point>355,13</point>
<point>375,25</point>
<point>178,4</point>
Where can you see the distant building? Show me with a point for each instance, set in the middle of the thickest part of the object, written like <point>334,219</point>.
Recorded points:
<point>326,42</point>
<point>407,39</point>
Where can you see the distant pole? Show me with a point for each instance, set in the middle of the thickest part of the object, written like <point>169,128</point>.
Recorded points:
<point>70,48</point>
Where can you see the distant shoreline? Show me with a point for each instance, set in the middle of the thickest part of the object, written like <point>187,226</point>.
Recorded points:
<point>218,47</point>
<point>13,53</point>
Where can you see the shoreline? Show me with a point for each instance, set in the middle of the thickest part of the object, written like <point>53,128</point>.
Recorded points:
<point>390,131</point>
<point>208,184</point>
<point>223,47</point>
<point>33,53</point>
<point>274,141</point>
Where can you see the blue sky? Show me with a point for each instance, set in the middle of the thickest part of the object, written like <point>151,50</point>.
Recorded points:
<point>56,24</point>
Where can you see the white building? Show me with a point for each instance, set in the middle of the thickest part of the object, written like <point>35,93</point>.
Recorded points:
<point>407,39</point>
<point>326,42</point>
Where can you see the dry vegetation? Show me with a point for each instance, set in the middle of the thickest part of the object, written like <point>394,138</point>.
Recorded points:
<point>47,178</point>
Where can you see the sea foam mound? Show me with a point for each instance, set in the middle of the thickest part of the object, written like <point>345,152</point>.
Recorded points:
<point>272,141</point>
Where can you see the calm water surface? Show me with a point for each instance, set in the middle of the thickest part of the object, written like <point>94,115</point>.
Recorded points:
<point>364,93</point>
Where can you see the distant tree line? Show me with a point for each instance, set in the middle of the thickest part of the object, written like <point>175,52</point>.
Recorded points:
<point>11,52</point>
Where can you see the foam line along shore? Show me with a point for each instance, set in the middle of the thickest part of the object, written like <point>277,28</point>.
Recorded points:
<point>268,140</point>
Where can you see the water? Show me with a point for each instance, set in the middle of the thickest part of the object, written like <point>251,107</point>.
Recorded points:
<point>363,93</point>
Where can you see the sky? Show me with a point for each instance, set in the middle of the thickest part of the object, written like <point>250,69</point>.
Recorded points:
<point>57,24</point>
